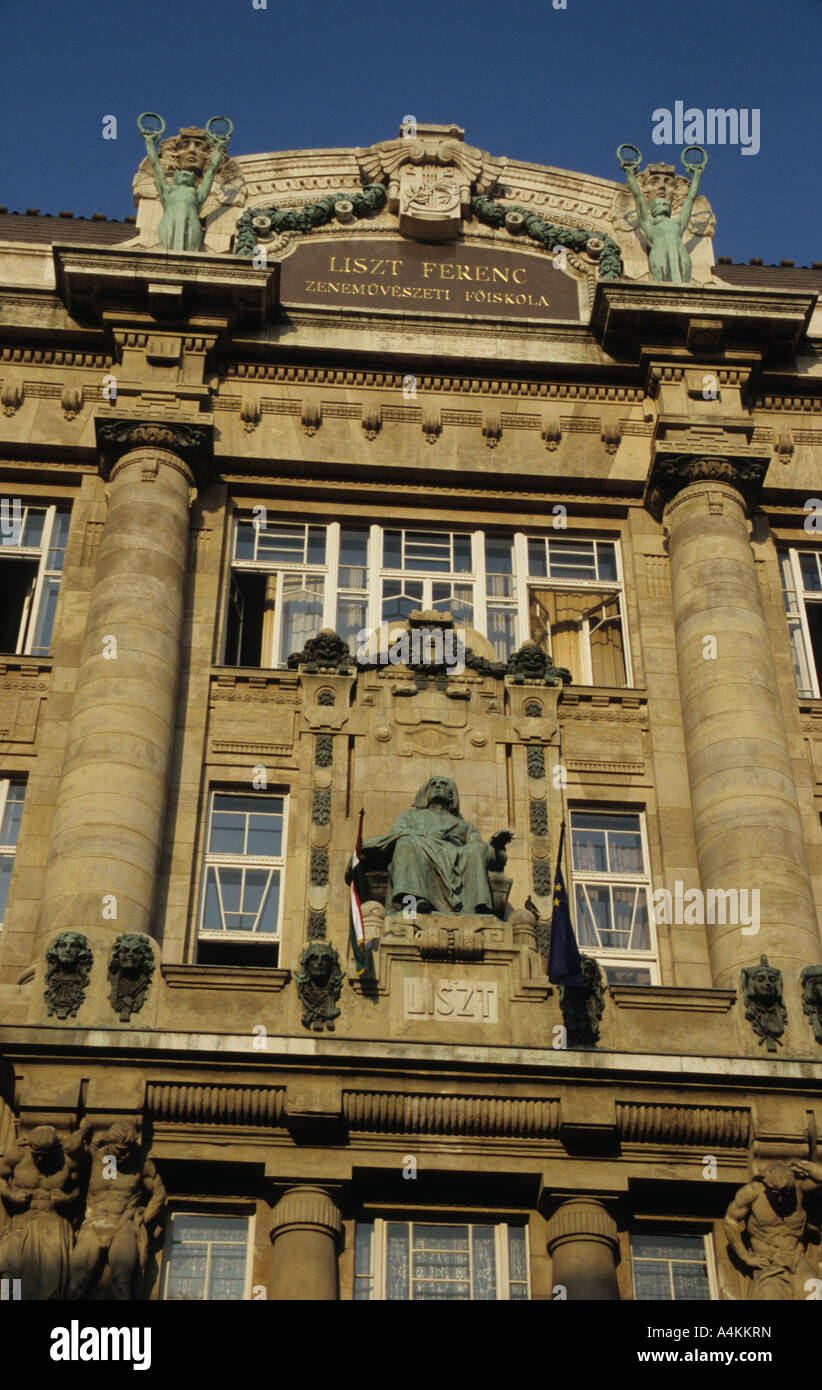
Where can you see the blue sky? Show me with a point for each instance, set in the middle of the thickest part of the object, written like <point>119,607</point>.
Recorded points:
<point>560,87</point>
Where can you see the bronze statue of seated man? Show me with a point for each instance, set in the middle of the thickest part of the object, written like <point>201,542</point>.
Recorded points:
<point>437,861</point>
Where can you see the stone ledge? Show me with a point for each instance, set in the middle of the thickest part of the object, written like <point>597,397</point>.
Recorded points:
<point>270,979</point>
<point>683,998</point>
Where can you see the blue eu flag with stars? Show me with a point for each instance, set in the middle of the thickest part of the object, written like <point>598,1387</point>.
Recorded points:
<point>564,964</point>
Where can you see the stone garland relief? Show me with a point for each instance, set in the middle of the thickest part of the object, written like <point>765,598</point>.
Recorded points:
<point>324,750</point>
<point>68,966</point>
<point>77,1206</point>
<point>130,970</point>
<point>319,984</point>
<point>762,997</point>
<point>319,867</point>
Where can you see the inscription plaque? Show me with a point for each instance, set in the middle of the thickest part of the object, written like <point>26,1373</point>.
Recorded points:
<point>463,1000</point>
<point>406,276</point>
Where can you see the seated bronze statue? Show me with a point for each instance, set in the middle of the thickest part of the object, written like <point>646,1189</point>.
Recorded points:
<point>437,861</point>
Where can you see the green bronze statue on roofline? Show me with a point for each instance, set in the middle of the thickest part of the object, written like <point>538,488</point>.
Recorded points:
<point>182,197</point>
<point>667,256</point>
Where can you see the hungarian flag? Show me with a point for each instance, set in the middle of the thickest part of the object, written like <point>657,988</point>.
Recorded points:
<point>564,964</point>
<point>359,889</point>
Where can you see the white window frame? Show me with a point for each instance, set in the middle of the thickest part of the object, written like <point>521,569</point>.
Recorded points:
<point>31,607</point>
<point>9,851</point>
<point>611,955</point>
<point>475,579</point>
<point>801,598</point>
<point>212,858</point>
<point>379,1227</point>
<point>248,1217</point>
<point>527,582</point>
<point>710,1262</point>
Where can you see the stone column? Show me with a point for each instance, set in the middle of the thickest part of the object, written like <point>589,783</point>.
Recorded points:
<point>305,1233</point>
<point>747,823</point>
<point>107,831</point>
<point>582,1243</point>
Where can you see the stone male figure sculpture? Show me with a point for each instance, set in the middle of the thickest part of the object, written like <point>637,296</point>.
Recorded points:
<point>39,1184</point>
<point>770,1212</point>
<point>182,198</point>
<point>123,1197</point>
<point>437,859</point>
<point>668,258</point>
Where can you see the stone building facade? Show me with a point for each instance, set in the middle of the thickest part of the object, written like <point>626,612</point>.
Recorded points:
<point>563,522</point>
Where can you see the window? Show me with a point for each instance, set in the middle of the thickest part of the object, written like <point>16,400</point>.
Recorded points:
<point>242,880</point>
<point>207,1257</point>
<point>11,811</point>
<point>32,551</point>
<point>575,607</point>
<point>611,894</point>
<point>668,1267</point>
<point>802,591</point>
<point>427,569</point>
<point>290,579</point>
<point>424,1261</point>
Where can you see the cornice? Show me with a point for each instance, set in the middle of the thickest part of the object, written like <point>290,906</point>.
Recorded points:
<point>96,283</point>
<point>627,316</point>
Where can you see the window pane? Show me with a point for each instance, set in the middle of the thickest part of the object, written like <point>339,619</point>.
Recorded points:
<point>652,1279</point>
<point>231,883</point>
<point>462,554</point>
<point>244,541</point>
<point>606,557</point>
<point>501,631</point>
<point>59,539</point>
<point>427,551</point>
<point>316,545</point>
<point>625,851</point>
<point>484,1263</point>
<point>669,1267</point>
<point>351,619</point>
<point>265,835</point>
<point>537,563</point>
<point>302,612</point>
<point>353,570</point>
<point>269,916</point>
<point>6,866</point>
<point>392,550</point>
<point>593,913</point>
<point>33,526</point>
<point>810,571</point>
<point>590,854</point>
<point>571,559</point>
<point>499,554</point>
<point>45,617</point>
<point>212,920</point>
<point>397,1261</point>
<point>13,814</point>
<point>281,543</point>
<point>517,1263</point>
<point>227,833</point>
<point>187,1275</point>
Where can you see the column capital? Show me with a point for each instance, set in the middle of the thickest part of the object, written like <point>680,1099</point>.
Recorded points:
<point>582,1218</point>
<point>673,469</point>
<point>306,1208</point>
<point>190,441</point>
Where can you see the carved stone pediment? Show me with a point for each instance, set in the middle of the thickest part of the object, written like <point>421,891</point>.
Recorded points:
<point>431,176</point>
